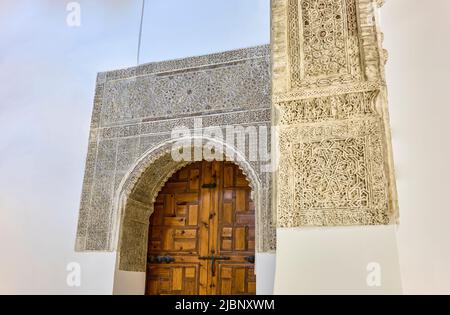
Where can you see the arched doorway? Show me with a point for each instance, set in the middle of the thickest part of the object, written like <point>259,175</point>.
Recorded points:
<point>201,236</point>
<point>139,189</point>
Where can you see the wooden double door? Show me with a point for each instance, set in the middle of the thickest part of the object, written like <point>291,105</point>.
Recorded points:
<point>202,233</point>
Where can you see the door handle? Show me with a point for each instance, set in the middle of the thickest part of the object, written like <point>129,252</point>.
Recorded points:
<point>213,259</point>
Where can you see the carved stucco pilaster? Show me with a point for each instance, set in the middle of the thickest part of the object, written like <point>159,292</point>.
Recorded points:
<point>331,111</point>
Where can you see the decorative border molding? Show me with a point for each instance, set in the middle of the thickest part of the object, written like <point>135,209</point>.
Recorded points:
<point>327,91</point>
<point>191,63</point>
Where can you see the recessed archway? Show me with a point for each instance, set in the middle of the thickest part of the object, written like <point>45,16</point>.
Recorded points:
<point>140,187</point>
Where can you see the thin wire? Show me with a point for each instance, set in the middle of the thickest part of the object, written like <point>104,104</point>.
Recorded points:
<point>140,33</point>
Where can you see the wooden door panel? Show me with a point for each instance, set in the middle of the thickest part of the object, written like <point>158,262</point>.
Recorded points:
<point>186,198</point>
<point>175,221</point>
<point>194,179</point>
<point>228,176</point>
<point>174,187</point>
<point>240,239</point>
<point>193,215</point>
<point>227,213</point>
<point>172,279</point>
<point>236,279</point>
<point>186,233</point>
<point>204,210</point>
<point>241,200</point>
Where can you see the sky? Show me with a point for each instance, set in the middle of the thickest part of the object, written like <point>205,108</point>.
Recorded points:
<point>47,81</point>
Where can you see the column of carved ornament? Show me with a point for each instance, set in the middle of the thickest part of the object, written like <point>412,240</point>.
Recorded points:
<point>330,102</point>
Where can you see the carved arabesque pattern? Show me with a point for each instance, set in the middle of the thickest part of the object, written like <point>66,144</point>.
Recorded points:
<point>335,107</point>
<point>324,43</point>
<point>135,111</point>
<point>324,38</point>
<point>335,157</point>
<point>333,174</point>
<point>238,85</point>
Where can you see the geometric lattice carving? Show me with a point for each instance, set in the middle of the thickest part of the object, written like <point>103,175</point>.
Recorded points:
<point>335,157</point>
<point>184,92</point>
<point>135,111</point>
<point>333,175</point>
<point>323,41</point>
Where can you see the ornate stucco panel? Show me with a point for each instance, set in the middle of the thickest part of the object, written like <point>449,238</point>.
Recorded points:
<point>329,97</point>
<point>323,43</point>
<point>335,174</point>
<point>135,111</point>
<point>322,47</point>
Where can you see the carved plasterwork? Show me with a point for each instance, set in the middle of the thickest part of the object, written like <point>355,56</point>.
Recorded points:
<point>320,44</point>
<point>135,111</point>
<point>334,175</point>
<point>323,43</point>
<point>331,109</point>
<point>140,187</point>
<point>187,92</point>
<point>329,103</point>
<point>335,107</point>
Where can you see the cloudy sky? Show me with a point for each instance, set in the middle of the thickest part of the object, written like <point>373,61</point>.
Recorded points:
<point>47,81</point>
